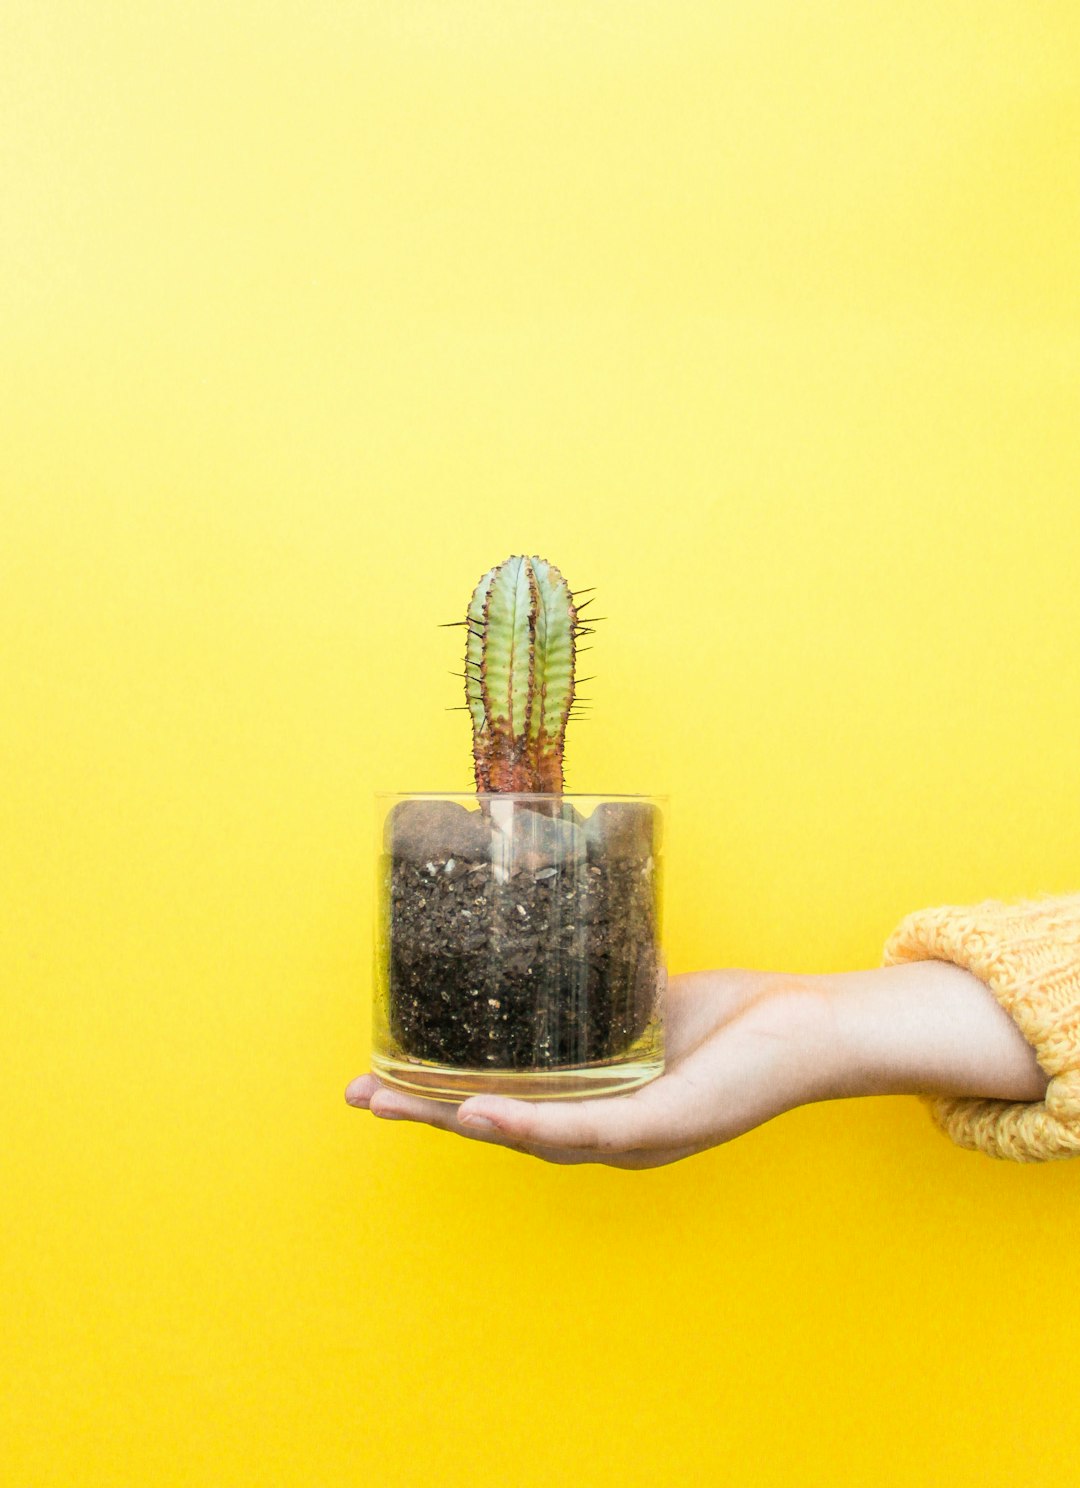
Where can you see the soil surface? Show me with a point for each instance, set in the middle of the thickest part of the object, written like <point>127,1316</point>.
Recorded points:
<point>522,943</point>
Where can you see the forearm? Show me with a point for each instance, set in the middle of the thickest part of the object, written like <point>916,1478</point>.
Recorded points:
<point>927,1027</point>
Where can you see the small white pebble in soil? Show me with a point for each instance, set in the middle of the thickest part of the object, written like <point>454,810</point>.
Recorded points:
<point>466,914</point>
<point>430,867</point>
<point>493,1002</point>
<point>522,910</point>
<point>449,866</point>
<point>544,873</point>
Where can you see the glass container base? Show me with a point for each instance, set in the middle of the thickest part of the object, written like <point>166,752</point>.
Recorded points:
<point>579,1082</point>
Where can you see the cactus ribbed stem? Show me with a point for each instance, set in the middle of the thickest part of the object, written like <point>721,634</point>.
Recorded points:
<point>519,675</point>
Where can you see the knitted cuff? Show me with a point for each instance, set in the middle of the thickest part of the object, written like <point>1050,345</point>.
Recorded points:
<point>1029,956</point>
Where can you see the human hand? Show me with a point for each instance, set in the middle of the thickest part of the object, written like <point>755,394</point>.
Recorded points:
<point>745,1046</point>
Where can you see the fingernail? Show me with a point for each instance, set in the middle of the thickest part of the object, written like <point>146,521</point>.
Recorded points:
<point>389,1115</point>
<point>359,1101</point>
<point>480,1123</point>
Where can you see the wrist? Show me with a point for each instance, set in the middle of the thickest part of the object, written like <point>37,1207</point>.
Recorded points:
<point>927,1027</point>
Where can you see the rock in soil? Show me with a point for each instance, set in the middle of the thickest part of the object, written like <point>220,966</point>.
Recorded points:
<point>623,830</point>
<point>416,831</point>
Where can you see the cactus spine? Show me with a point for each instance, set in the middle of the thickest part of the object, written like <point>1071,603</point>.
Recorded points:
<point>519,675</point>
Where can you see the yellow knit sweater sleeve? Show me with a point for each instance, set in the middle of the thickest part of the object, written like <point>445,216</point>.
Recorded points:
<point>1029,956</point>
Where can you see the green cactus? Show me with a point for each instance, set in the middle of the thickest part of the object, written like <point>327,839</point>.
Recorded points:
<point>519,675</point>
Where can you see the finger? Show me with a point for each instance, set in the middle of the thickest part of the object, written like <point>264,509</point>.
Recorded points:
<point>396,1105</point>
<point>358,1092</point>
<point>366,1092</point>
<point>608,1125</point>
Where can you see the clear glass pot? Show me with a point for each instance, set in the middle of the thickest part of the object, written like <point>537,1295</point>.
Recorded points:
<point>518,944</point>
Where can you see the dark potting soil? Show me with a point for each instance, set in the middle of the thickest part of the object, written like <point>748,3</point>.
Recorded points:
<point>524,952</point>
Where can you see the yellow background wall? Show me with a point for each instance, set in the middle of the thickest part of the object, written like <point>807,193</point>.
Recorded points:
<point>765,320</point>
